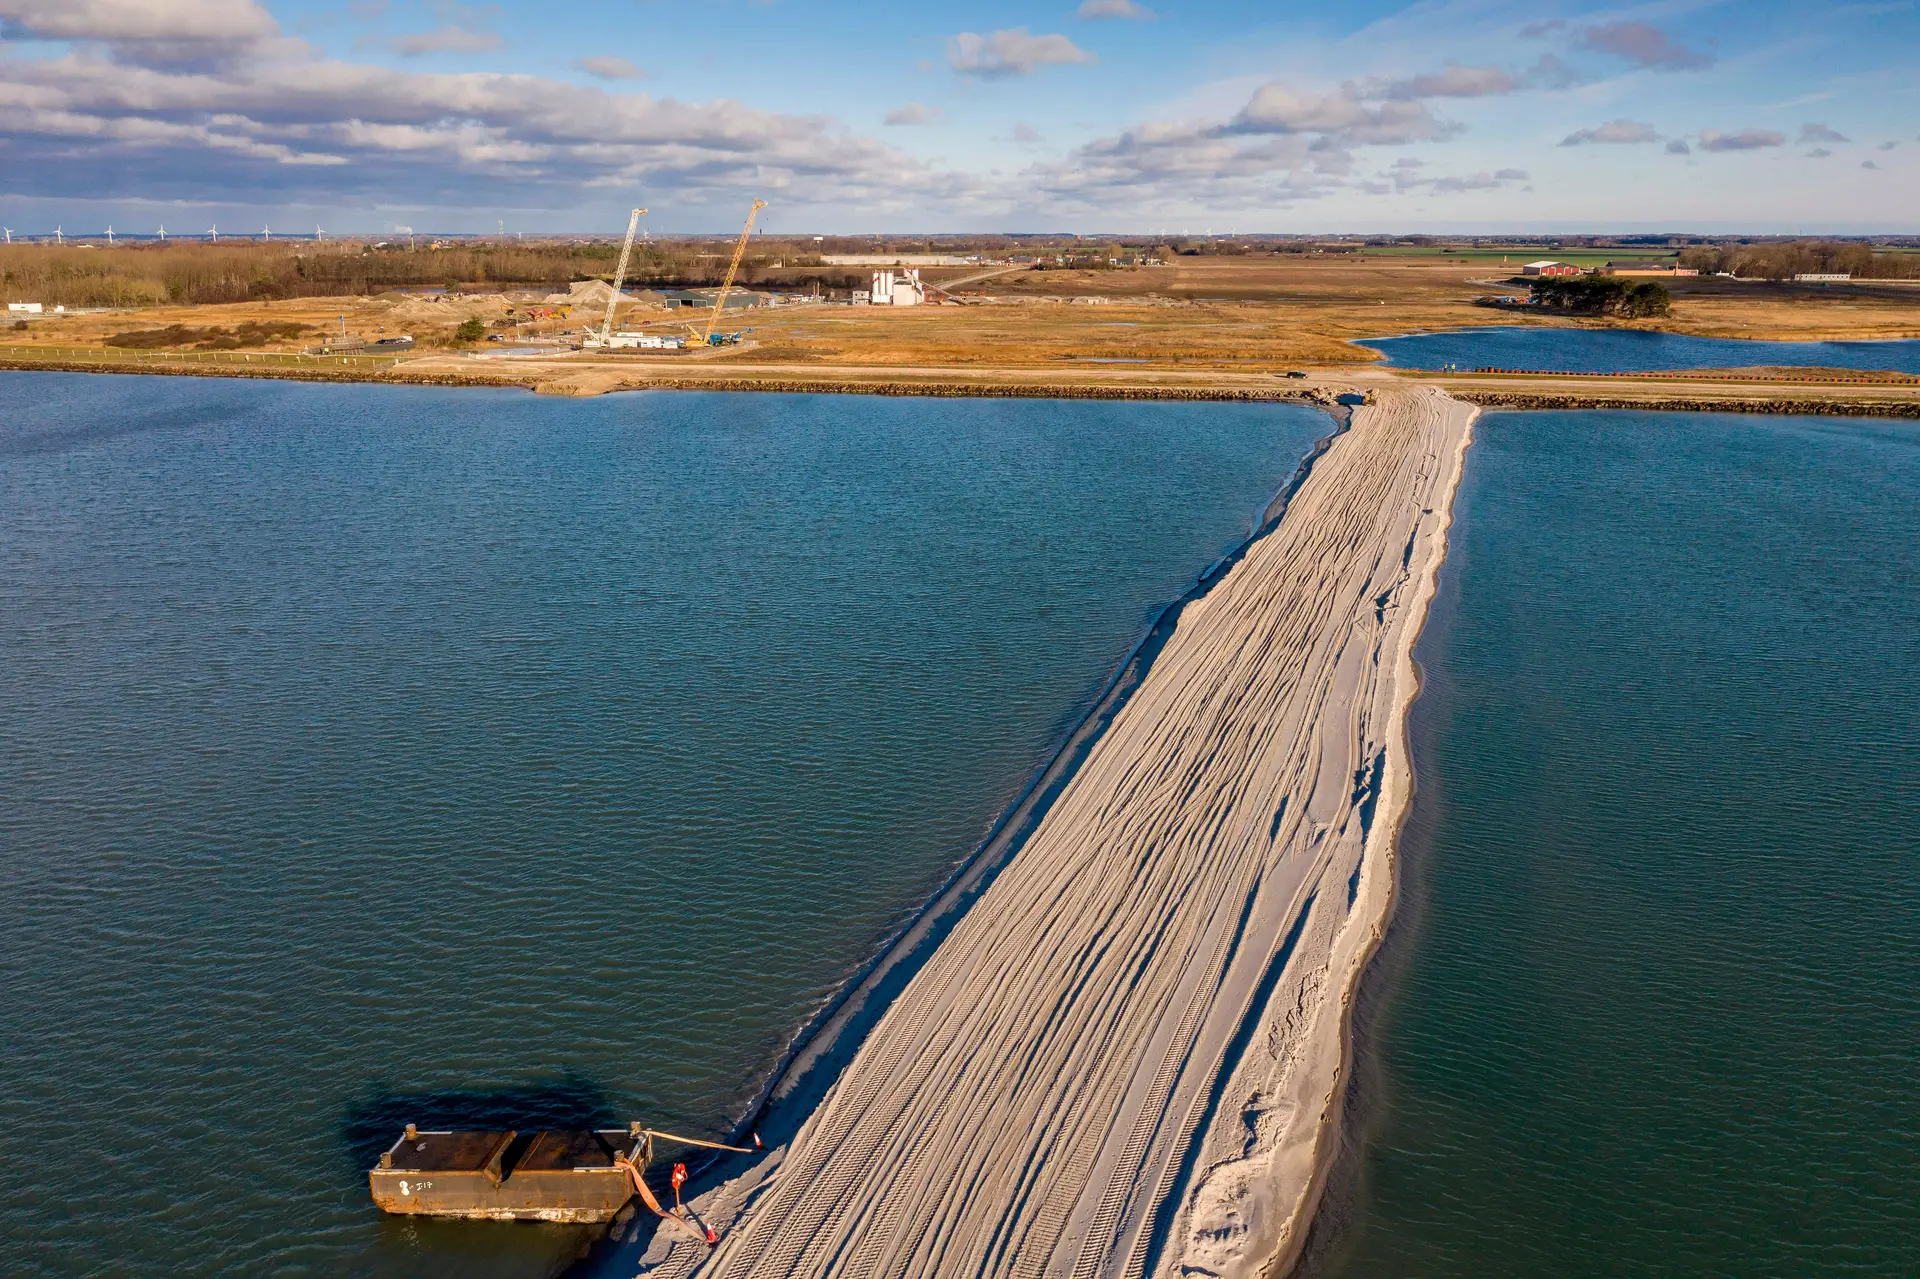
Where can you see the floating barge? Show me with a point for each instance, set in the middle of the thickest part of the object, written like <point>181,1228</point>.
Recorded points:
<point>568,1175</point>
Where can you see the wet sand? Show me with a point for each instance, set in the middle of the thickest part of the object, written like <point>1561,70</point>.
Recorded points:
<point>1126,1056</point>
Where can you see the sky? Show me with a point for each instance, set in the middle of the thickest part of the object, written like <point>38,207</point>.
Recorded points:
<point>1088,116</point>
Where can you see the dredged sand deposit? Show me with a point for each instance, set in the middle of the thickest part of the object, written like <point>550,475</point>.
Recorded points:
<point>1126,1057</point>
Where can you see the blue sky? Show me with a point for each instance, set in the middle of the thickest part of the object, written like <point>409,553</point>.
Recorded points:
<point>1102,115</point>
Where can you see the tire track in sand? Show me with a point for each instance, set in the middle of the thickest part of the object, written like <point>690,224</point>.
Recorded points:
<point>1108,1068</point>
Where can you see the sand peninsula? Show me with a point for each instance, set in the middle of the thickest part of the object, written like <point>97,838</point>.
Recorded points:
<point>1127,1055</point>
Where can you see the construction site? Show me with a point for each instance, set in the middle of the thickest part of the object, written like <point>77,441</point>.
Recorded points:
<point>997,314</point>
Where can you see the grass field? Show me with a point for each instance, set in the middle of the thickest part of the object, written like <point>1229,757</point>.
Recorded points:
<point>1221,313</point>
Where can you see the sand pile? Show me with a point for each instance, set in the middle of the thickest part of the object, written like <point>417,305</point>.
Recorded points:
<point>1125,1059</point>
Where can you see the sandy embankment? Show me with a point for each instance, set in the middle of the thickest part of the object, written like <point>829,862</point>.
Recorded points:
<point>1126,1057</point>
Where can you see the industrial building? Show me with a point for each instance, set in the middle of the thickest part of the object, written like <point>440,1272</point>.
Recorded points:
<point>1646,268</point>
<point>1550,269</point>
<point>897,288</point>
<point>901,259</point>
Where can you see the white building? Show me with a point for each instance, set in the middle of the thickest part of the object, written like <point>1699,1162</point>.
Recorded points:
<point>646,341</point>
<point>901,288</point>
<point>25,308</point>
<point>900,259</point>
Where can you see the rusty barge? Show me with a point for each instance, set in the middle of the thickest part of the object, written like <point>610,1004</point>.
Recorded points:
<point>582,1175</point>
<point>553,1175</point>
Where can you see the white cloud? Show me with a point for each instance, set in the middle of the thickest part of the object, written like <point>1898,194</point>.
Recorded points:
<point>446,39</point>
<point>1344,116</point>
<point>1286,144</point>
<point>256,131</point>
<point>1643,46</point>
<point>1745,140</point>
<point>1127,9</point>
<point>1013,52</point>
<point>1821,133</point>
<point>125,21</point>
<point>1454,81</point>
<point>146,32</point>
<point>913,113</point>
<point>1479,181</point>
<point>1618,132</point>
<point>610,68</point>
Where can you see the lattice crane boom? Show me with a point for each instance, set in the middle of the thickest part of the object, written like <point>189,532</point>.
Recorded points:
<point>619,278</point>
<point>733,268</point>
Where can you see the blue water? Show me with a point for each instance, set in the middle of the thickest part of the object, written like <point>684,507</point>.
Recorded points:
<point>1631,351</point>
<point>1651,1006</point>
<point>375,754</point>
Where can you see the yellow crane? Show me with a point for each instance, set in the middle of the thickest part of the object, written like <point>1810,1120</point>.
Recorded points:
<point>720,303</point>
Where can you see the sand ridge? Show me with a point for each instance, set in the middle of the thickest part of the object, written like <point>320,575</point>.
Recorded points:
<point>1125,1058</point>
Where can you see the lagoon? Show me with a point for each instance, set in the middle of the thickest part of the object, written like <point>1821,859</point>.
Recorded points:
<point>1648,1007</point>
<point>462,756</point>
<point>1561,350</point>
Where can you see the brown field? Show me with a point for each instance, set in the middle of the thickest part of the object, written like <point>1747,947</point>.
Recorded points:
<point>1222,314</point>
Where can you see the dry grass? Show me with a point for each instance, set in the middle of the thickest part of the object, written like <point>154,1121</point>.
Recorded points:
<point>1224,314</point>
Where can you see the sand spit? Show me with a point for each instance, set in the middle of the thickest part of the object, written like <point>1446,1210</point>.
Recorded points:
<point>1126,1057</point>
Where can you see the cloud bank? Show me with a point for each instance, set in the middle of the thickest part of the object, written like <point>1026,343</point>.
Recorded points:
<point>1014,52</point>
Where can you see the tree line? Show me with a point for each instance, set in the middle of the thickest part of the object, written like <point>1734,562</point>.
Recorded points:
<point>183,273</point>
<point>1801,257</point>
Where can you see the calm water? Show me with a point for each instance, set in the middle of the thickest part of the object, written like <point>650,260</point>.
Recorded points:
<point>1631,351</point>
<point>1653,1008</point>
<point>375,754</point>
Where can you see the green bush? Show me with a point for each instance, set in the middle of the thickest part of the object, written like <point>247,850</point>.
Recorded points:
<point>1604,295</point>
<point>471,329</point>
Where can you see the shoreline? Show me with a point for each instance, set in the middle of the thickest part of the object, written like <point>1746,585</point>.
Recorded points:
<point>1709,392</point>
<point>1400,783</point>
<point>1096,1198</point>
<point>825,1034</point>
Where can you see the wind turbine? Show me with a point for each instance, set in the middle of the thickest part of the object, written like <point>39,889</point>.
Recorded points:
<point>213,233</point>
<point>9,231</point>
<point>266,234</point>
<point>109,235</point>
<point>163,233</point>
<point>59,236</point>
<point>318,234</point>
